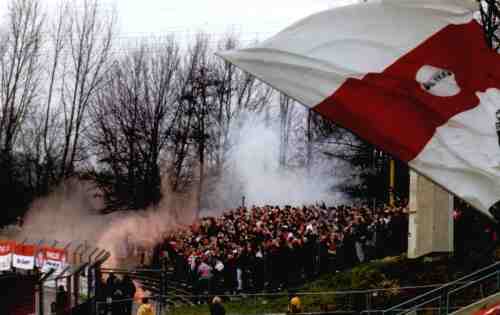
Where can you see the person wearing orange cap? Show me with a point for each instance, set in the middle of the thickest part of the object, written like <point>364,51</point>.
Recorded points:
<point>145,308</point>
<point>295,305</point>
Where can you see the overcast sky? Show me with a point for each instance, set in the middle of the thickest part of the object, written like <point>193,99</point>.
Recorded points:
<point>251,19</point>
<point>261,17</point>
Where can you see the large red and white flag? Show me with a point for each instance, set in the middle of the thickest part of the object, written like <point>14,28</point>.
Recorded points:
<point>415,78</point>
<point>6,251</point>
<point>24,256</point>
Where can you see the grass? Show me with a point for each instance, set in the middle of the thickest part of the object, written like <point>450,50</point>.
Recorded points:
<point>245,306</point>
<point>391,273</point>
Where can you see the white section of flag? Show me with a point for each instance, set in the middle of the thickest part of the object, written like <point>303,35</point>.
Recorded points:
<point>312,58</point>
<point>464,154</point>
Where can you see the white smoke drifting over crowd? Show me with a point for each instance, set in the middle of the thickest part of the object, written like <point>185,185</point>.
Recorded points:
<point>252,170</point>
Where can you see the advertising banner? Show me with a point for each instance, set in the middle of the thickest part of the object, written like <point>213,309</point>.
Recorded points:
<point>6,250</point>
<point>24,256</point>
<point>53,258</point>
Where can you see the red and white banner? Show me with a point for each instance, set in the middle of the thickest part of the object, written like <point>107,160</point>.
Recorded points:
<point>6,251</point>
<point>415,78</point>
<point>53,258</point>
<point>24,256</point>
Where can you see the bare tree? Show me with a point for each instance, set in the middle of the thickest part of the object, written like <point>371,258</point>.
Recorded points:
<point>285,118</point>
<point>89,48</point>
<point>198,93</point>
<point>181,169</point>
<point>41,139</point>
<point>132,121</point>
<point>236,92</point>
<point>213,95</point>
<point>19,62</point>
<point>490,20</point>
<point>56,45</point>
<point>19,88</point>
<point>309,139</point>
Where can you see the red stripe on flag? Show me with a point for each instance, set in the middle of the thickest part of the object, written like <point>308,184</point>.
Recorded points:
<point>392,110</point>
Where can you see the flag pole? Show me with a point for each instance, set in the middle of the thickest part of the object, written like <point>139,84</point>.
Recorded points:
<point>392,174</point>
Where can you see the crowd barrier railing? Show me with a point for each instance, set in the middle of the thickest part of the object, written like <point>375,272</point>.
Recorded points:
<point>372,301</point>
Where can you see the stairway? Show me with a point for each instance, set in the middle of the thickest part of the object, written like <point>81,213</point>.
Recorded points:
<point>452,296</point>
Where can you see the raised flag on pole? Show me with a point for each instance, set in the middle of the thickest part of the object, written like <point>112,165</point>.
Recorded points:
<point>415,78</point>
<point>24,256</point>
<point>6,251</point>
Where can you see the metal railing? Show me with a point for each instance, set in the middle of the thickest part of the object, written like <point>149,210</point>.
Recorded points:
<point>451,296</point>
<point>126,306</point>
<point>333,302</point>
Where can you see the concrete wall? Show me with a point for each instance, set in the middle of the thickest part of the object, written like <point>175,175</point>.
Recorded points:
<point>431,218</point>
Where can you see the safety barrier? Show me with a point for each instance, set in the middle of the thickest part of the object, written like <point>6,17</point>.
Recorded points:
<point>451,296</point>
<point>336,302</point>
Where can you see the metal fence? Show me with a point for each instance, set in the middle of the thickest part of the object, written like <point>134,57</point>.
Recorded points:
<point>127,306</point>
<point>80,278</point>
<point>451,296</point>
<point>338,302</point>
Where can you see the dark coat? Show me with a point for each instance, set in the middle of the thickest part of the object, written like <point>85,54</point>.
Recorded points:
<point>217,309</point>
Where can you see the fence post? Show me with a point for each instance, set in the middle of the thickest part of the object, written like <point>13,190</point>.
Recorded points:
<point>163,287</point>
<point>255,303</point>
<point>317,261</point>
<point>69,291</point>
<point>498,280</point>
<point>441,305</point>
<point>447,302</point>
<point>41,303</point>
<point>368,301</point>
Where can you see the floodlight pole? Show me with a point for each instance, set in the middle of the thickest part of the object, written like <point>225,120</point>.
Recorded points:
<point>392,175</point>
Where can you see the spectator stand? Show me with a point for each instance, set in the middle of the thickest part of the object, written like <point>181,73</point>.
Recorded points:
<point>271,248</point>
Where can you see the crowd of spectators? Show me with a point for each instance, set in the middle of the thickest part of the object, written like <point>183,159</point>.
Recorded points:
<point>272,248</point>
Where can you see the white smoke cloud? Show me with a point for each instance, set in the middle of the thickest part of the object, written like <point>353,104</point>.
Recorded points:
<point>253,171</point>
<point>71,214</point>
<point>68,213</point>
